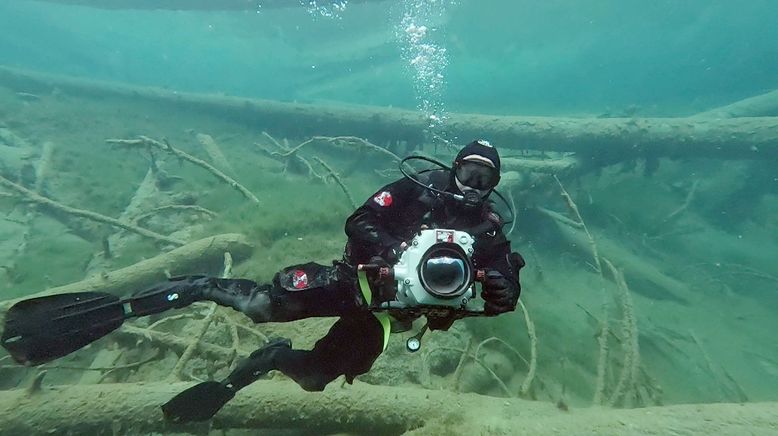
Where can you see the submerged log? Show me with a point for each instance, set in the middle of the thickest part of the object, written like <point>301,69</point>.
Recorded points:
<point>16,155</point>
<point>362,408</point>
<point>194,5</point>
<point>214,152</point>
<point>598,139</point>
<point>646,278</point>
<point>764,105</point>
<point>83,213</point>
<point>195,257</point>
<point>559,165</point>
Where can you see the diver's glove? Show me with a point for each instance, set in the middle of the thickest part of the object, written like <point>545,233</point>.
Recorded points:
<point>498,294</point>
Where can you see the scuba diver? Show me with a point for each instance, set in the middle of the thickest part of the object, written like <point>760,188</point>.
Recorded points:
<point>42,329</point>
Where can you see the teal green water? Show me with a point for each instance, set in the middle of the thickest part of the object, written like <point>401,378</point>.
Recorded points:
<point>551,57</point>
<point>695,236</point>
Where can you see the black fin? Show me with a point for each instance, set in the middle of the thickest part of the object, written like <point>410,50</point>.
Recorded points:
<point>198,403</point>
<point>42,329</point>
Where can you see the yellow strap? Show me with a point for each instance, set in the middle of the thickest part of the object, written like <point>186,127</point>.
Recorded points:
<point>386,323</point>
<point>382,317</point>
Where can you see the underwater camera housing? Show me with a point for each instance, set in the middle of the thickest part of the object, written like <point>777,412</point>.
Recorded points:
<point>434,276</point>
<point>435,270</point>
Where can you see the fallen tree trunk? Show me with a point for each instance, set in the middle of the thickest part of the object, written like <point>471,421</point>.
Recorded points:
<point>647,278</point>
<point>364,409</point>
<point>15,154</point>
<point>193,5</point>
<point>611,139</point>
<point>545,166</point>
<point>13,160</point>
<point>764,105</point>
<point>82,213</point>
<point>195,257</point>
<point>168,341</point>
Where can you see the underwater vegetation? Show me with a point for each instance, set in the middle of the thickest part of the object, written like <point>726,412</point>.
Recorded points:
<point>650,233</point>
<point>624,305</point>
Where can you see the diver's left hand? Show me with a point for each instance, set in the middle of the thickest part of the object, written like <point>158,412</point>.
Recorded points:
<point>498,294</point>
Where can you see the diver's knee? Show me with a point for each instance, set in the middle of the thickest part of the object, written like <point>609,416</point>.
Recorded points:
<point>314,383</point>
<point>259,307</point>
<point>254,301</point>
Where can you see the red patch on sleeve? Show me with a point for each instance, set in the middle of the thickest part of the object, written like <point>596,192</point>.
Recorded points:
<point>383,199</point>
<point>299,279</point>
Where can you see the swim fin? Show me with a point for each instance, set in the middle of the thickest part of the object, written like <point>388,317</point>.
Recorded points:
<point>198,403</point>
<point>202,401</point>
<point>42,329</point>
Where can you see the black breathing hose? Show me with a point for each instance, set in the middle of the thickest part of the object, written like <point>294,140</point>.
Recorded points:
<point>456,197</point>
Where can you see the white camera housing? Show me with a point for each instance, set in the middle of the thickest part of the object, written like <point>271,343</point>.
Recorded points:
<point>441,249</point>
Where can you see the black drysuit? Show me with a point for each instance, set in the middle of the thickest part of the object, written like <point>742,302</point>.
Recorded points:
<point>377,228</point>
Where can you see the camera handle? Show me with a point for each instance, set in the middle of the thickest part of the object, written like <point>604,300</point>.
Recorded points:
<point>413,344</point>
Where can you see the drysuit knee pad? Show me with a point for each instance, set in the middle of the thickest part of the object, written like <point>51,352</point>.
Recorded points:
<point>305,276</point>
